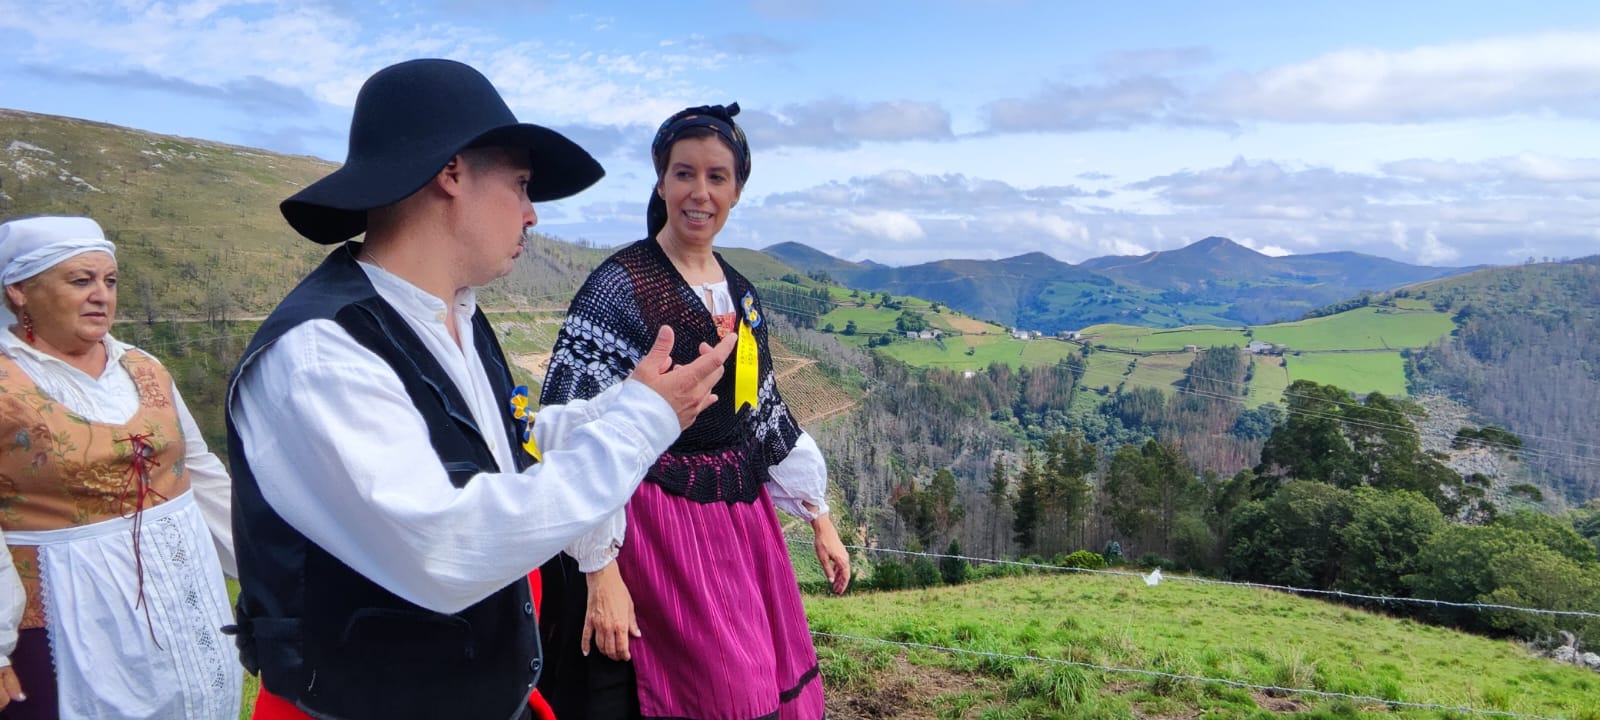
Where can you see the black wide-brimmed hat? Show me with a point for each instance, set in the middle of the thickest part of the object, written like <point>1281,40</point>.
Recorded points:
<point>409,120</point>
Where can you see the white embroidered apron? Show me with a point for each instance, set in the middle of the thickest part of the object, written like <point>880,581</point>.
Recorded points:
<point>114,657</point>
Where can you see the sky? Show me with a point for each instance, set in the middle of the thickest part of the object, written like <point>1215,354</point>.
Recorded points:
<point>1436,133</point>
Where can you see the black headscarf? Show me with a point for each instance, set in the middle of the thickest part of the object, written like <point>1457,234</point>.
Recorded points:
<point>719,119</point>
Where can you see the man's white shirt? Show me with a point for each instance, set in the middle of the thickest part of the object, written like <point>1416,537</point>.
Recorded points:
<point>341,454</point>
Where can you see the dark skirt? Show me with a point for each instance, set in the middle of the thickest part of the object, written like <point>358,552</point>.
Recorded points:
<point>37,673</point>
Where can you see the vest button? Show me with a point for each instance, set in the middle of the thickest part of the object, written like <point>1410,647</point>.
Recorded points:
<point>535,664</point>
<point>527,609</point>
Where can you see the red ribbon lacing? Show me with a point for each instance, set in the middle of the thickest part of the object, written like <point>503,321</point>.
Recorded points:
<point>141,458</point>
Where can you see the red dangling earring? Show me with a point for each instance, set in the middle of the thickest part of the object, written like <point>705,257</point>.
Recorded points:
<point>27,327</point>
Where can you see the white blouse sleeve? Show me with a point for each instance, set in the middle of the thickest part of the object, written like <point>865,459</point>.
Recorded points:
<point>213,492</point>
<point>12,600</point>
<point>800,483</point>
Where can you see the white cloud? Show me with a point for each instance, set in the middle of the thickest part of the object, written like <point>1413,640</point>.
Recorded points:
<point>1120,104</point>
<point>1052,225</point>
<point>842,124</point>
<point>1558,72</point>
<point>1433,252</point>
<point>892,226</point>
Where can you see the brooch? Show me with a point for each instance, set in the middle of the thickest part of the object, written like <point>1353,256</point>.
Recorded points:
<point>520,413</point>
<point>751,315</point>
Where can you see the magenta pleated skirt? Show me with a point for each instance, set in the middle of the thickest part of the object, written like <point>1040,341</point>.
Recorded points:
<point>724,632</point>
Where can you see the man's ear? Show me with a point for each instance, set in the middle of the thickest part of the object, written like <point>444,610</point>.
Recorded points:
<point>450,176</point>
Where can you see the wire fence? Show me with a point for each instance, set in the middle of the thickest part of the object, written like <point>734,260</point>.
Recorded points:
<point>1381,599</point>
<point>1157,674</point>
<point>1278,690</point>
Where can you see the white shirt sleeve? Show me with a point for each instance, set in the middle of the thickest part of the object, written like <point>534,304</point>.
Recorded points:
<point>552,426</point>
<point>12,600</point>
<point>341,453</point>
<point>213,492</point>
<point>801,480</point>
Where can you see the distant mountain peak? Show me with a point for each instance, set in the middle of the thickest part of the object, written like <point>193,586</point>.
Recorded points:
<point>1035,256</point>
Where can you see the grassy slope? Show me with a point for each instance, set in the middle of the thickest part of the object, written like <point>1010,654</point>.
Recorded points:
<point>189,216</point>
<point>1357,350</point>
<point>1360,329</point>
<point>1248,635</point>
<point>1268,380</point>
<point>1357,372</point>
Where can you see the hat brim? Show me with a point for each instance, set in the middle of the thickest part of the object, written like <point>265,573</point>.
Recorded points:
<point>334,209</point>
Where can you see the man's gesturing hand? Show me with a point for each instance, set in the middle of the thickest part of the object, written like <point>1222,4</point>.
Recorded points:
<point>687,388</point>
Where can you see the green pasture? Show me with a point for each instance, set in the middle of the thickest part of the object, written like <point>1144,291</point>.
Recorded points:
<point>869,320</point>
<point>1147,339</point>
<point>1359,373</point>
<point>1368,328</point>
<point>1241,634</point>
<point>1268,380</point>
<point>987,349</point>
<point>1106,369</point>
<point>1162,372</point>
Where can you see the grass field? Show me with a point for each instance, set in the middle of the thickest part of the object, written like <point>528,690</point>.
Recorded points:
<point>1367,328</point>
<point>1106,369</point>
<point>1157,340</point>
<point>1162,372</point>
<point>1359,373</point>
<point>1361,329</point>
<point>1241,634</point>
<point>986,349</point>
<point>1268,380</point>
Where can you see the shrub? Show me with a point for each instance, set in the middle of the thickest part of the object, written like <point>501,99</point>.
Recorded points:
<point>1082,559</point>
<point>953,570</point>
<point>924,573</point>
<point>890,575</point>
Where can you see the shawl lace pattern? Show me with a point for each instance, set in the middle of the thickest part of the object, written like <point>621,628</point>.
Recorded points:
<point>725,455</point>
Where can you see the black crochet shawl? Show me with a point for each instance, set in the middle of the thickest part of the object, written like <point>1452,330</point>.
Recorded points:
<point>725,455</point>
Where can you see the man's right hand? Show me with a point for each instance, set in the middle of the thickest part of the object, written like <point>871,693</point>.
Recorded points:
<point>687,388</point>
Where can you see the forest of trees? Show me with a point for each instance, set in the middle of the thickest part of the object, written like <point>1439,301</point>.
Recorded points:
<point>1525,358</point>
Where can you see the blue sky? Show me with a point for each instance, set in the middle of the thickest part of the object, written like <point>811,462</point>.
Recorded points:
<point>1430,132</point>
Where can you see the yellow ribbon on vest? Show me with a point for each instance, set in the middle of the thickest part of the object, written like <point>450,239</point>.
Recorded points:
<point>746,367</point>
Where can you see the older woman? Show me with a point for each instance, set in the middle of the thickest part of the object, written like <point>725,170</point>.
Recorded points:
<point>106,494</point>
<point>693,583</point>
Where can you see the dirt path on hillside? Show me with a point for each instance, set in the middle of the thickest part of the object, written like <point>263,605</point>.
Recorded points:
<point>535,363</point>
<point>799,363</point>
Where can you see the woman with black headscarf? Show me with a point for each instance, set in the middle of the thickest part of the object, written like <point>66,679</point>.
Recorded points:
<point>689,596</point>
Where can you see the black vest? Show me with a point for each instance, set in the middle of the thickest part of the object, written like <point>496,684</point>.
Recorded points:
<point>326,638</point>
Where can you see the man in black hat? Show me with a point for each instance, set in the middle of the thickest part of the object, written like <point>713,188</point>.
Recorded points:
<point>387,503</point>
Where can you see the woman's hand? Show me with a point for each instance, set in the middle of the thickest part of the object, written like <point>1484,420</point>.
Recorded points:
<point>610,619</point>
<point>10,686</point>
<point>831,553</point>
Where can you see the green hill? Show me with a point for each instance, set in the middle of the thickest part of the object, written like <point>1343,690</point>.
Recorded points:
<point>1042,660</point>
<point>1525,358</point>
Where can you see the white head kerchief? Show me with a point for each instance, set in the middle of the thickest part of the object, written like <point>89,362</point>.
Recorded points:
<point>30,246</point>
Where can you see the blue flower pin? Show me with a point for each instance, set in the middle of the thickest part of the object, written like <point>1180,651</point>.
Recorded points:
<point>751,314</point>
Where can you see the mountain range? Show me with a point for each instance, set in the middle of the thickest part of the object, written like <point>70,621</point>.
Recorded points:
<point>1212,281</point>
